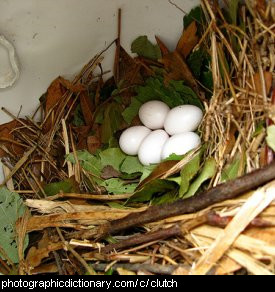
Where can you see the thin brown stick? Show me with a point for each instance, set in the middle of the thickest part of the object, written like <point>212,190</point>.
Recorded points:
<point>176,230</point>
<point>223,192</point>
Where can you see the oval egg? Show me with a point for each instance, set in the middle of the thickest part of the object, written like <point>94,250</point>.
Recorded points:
<point>184,118</point>
<point>151,148</point>
<point>131,139</point>
<point>153,114</point>
<point>180,144</point>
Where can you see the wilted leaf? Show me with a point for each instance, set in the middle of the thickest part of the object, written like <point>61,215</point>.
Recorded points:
<point>131,165</point>
<point>189,171</point>
<point>144,48</point>
<point>271,137</point>
<point>188,40</point>
<point>208,171</point>
<point>155,187</point>
<point>11,209</point>
<point>109,172</point>
<point>117,186</point>
<point>113,157</point>
<point>66,187</point>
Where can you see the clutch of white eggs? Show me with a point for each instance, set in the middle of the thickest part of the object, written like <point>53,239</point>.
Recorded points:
<point>165,132</point>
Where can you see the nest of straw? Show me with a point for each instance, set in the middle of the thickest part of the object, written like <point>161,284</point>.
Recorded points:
<point>232,236</point>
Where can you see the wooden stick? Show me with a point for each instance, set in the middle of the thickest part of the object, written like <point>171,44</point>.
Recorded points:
<point>223,192</point>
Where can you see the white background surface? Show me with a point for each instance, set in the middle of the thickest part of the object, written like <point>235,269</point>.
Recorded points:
<point>57,37</point>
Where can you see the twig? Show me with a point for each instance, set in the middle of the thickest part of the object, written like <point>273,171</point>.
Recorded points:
<point>90,197</point>
<point>223,192</point>
<point>176,230</point>
<point>75,254</point>
<point>155,268</point>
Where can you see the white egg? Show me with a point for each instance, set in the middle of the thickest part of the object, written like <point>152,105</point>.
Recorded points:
<point>131,139</point>
<point>180,144</point>
<point>184,118</point>
<point>151,148</point>
<point>153,114</point>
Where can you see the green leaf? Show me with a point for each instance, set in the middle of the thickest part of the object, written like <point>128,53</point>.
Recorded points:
<point>208,171</point>
<point>11,209</point>
<point>117,186</point>
<point>195,62</point>
<point>195,14</point>
<point>188,173</point>
<point>112,122</point>
<point>131,165</point>
<point>113,157</point>
<point>231,171</point>
<point>156,187</point>
<point>144,48</point>
<point>271,137</point>
<point>259,128</point>
<point>67,186</point>
<point>110,272</point>
<point>177,93</point>
<point>170,197</point>
<point>132,111</point>
<point>87,161</point>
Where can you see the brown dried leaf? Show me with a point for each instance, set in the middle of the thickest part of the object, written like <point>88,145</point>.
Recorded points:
<point>35,255</point>
<point>162,46</point>
<point>7,139</point>
<point>129,70</point>
<point>258,83</point>
<point>75,88</point>
<point>231,141</point>
<point>87,108</point>
<point>178,70</point>
<point>93,144</point>
<point>188,40</point>
<point>109,172</point>
<point>54,93</point>
<point>261,7</point>
<point>159,172</point>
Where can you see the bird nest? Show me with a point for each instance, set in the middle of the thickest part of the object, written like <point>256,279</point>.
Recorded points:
<point>85,207</point>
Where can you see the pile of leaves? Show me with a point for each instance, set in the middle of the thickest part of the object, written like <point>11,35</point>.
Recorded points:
<point>66,177</point>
